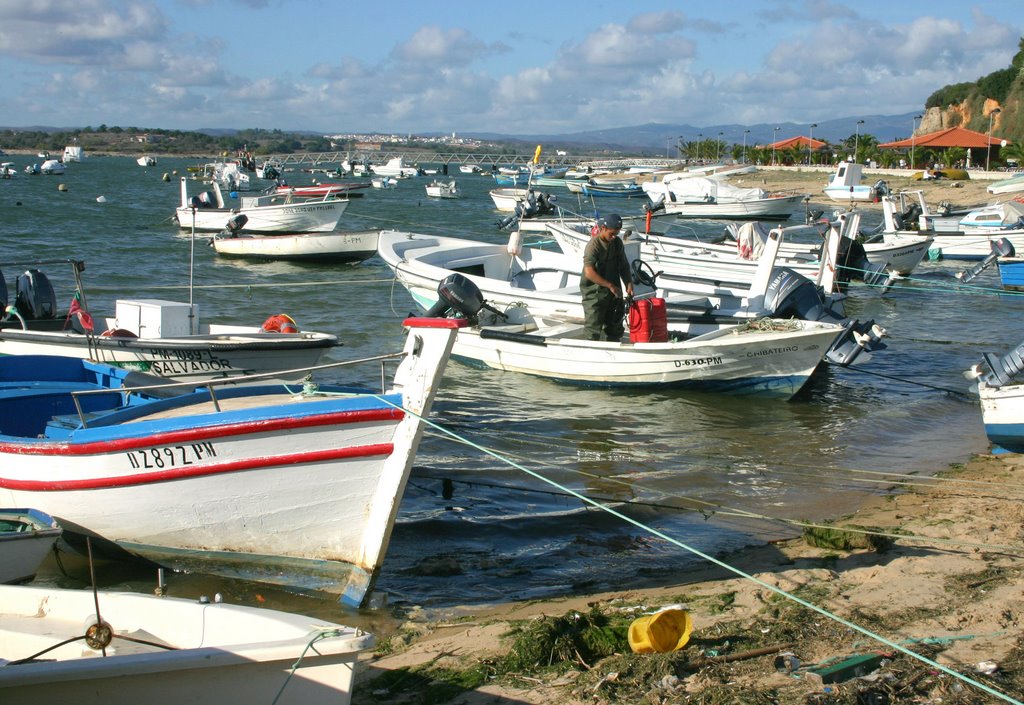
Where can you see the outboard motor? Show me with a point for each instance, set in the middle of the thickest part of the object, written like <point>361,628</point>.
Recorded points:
<point>1002,369</point>
<point>35,298</point>
<point>792,295</point>
<point>458,295</point>
<point>854,264</point>
<point>3,295</point>
<point>881,189</point>
<point>1000,248</point>
<point>234,225</point>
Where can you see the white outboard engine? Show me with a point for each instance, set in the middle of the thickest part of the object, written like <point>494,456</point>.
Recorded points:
<point>457,295</point>
<point>35,298</point>
<point>1000,248</point>
<point>1003,368</point>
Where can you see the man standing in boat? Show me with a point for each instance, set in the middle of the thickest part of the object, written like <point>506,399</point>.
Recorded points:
<point>604,267</point>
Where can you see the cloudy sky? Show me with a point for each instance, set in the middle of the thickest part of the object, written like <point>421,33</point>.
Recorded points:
<point>522,67</point>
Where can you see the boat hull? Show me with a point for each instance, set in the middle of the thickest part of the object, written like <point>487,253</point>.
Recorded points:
<point>773,208</point>
<point>218,652</point>
<point>26,537</point>
<point>312,247</point>
<point>261,483</point>
<point>1002,410</point>
<point>316,216</point>
<point>746,360</point>
<point>196,358</point>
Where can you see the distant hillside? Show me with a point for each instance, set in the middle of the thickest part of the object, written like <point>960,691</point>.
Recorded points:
<point>656,138</point>
<point>970,104</point>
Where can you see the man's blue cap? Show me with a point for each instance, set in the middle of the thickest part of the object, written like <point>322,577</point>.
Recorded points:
<point>612,221</point>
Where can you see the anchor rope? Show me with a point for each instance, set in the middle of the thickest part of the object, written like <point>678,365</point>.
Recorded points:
<point>711,559</point>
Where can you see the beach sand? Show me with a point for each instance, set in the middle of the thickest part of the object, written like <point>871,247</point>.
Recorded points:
<point>954,593</point>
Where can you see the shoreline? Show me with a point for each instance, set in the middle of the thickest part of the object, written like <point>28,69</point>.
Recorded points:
<point>958,589</point>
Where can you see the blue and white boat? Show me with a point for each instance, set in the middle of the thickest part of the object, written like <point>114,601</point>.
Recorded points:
<point>1002,398</point>
<point>291,485</point>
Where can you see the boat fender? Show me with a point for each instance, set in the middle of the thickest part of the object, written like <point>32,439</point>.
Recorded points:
<point>515,243</point>
<point>281,323</point>
<point>647,222</point>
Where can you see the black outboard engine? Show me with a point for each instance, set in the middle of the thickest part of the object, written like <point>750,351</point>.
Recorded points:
<point>854,264</point>
<point>234,225</point>
<point>35,298</point>
<point>457,295</point>
<point>792,295</point>
<point>3,295</point>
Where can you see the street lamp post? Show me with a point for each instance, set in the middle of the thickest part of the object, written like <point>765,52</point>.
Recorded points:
<point>775,138</point>
<point>988,150</point>
<point>700,138</point>
<point>745,133</point>
<point>913,138</point>
<point>718,147</point>
<point>679,145</point>
<point>810,139</point>
<point>856,142</point>
<point>668,147</point>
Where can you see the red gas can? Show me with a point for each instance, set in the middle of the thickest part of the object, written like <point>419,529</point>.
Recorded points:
<point>648,321</point>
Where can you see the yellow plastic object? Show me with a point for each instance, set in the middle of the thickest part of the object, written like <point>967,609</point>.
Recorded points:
<point>661,632</point>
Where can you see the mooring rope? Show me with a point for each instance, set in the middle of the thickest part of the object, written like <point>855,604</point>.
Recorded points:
<point>711,559</point>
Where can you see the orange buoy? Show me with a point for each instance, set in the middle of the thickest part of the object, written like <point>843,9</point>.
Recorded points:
<point>281,323</point>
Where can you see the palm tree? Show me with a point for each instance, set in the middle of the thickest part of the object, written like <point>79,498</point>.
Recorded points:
<point>1013,152</point>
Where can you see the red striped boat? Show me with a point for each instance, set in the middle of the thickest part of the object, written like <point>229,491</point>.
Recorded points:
<point>281,485</point>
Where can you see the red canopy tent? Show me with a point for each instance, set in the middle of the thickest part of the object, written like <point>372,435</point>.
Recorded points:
<point>950,137</point>
<point>799,141</point>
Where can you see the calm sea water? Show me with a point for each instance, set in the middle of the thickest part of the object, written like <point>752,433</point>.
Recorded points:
<point>472,529</point>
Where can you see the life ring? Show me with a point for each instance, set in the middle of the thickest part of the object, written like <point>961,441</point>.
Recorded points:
<point>281,323</point>
<point>117,333</point>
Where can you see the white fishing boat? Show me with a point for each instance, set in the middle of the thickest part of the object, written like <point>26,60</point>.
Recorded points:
<point>8,170</point>
<point>469,169</point>
<point>73,153</point>
<point>166,339</point>
<point>146,160</point>
<point>124,648</point>
<point>548,283</point>
<point>1011,185</point>
<point>443,189</point>
<point>845,185</point>
<point>338,246</point>
<point>27,537</point>
<point>738,262</point>
<point>294,486</point>
<point>770,357</point>
<point>702,197</point>
<point>52,167</point>
<point>966,235</point>
<point>1002,397</point>
<point>395,167</point>
<point>266,214</point>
